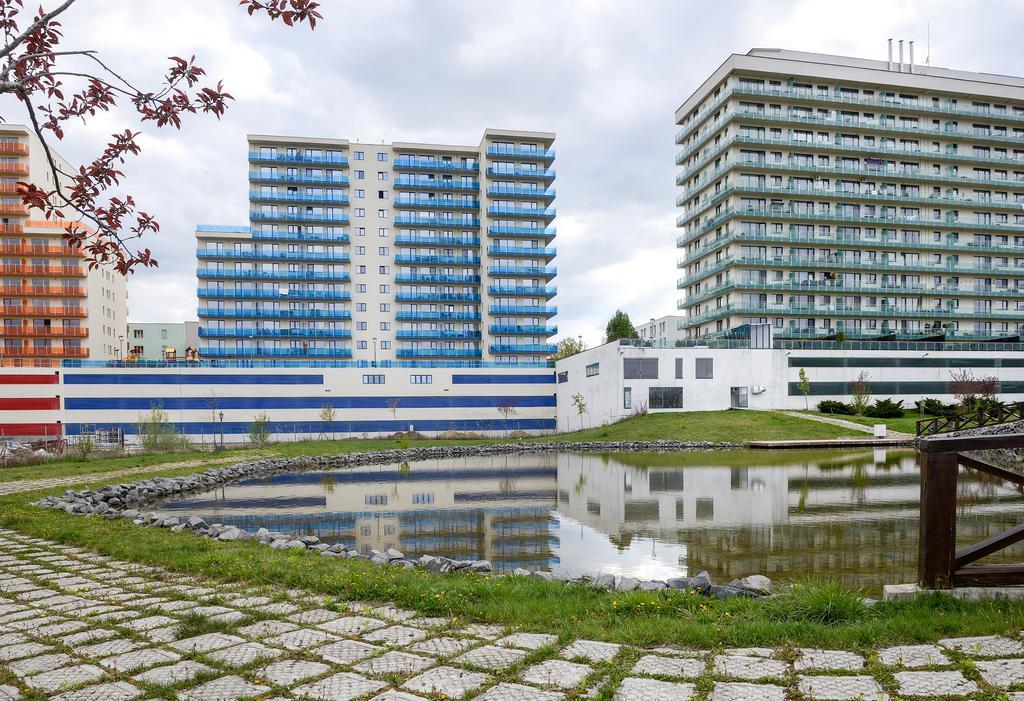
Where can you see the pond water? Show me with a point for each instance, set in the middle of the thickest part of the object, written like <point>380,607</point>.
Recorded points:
<point>847,515</point>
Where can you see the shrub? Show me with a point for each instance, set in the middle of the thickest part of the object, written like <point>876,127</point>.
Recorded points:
<point>157,434</point>
<point>885,409</point>
<point>829,406</point>
<point>259,430</point>
<point>935,407</point>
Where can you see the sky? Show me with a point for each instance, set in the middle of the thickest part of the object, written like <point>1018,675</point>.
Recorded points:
<point>605,76</point>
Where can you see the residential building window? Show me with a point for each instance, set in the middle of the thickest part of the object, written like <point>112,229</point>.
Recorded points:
<point>739,397</point>
<point>382,157</point>
<point>563,377</point>
<point>679,368</point>
<point>383,214</point>
<point>357,155</point>
<point>360,231</point>
<point>382,194</point>
<point>665,398</point>
<point>421,379</point>
<point>360,212</point>
<point>360,194</point>
<point>627,397</point>
<point>385,345</point>
<point>385,326</point>
<point>593,369</point>
<point>383,232</point>
<point>705,369</point>
<point>375,500</point>
<point>640,368</point>
<point>359,174</point>
<point>373,379</point>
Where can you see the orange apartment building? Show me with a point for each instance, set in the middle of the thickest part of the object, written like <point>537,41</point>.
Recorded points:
<point>53,306</point>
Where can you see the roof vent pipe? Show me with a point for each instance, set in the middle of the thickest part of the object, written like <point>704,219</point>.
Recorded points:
<point>890,54</point>
<point>901,55</point>
<point>911,56</point>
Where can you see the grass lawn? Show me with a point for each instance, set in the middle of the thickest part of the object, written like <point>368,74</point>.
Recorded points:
<point>733,426</point>
<point>904,424</point>
<point>816,615</point>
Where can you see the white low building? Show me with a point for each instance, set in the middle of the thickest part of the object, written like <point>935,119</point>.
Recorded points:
<point>662,332</point>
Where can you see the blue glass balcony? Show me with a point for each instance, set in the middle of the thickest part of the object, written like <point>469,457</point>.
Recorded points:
<point>435,297</point>
<point>273,333</point>
<point>222,229</point>
<point>435,184</point>
<point>334,159</point>
<point>406,162</point>
<point>516,310</point>
<point>523,173</point>
<point>524,231</point>
<point>521,271</point>
<point>525,192</point>
<point>214,313</point>
<point>417,277</point>
<point>464,241</point>
<point>435,221</point>
<point>527,251</point>
<point>436,316</point>
<point>436,203</point>
<point>455,335</point>
<point>270,255</point>
<point>261,235</point>
<point>525,212</point>
<point>322,218</point>
<point>258,177</point>
<point>285,196</point>
<point>448,260</point>
<point>271,275</point>
<point>438,352</point>
<point>276,352</point>
<point>529,330</point>
<point>508,291</point>
<point>546,348</point>
<point>520,152</point>
<point>338,295</point>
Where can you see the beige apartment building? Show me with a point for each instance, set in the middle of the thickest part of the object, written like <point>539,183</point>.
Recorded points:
<point>827,195</point>
<point>54,307</point>
<point>386,252</point>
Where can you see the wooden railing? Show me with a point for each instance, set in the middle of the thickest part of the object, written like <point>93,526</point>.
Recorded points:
<point>1004,413</point>
<point>940,565</point>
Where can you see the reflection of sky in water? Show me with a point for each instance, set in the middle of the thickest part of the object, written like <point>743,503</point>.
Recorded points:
<point>852,516</point>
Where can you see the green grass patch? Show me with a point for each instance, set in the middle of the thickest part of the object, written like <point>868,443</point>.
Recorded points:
<point>904,424</point>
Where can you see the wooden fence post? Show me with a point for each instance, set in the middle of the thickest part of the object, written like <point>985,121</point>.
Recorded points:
<point>937,546</point>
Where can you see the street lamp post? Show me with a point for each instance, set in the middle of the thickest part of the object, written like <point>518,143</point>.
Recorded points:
<point>375,352</point>
<point>222,430</point>
<point>120,346</point>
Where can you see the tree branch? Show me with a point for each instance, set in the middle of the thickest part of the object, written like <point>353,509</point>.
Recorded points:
<point>34,26</point>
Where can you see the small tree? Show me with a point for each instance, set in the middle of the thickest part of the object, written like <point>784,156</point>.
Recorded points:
<point>581,406</point>
<point>861,391</point>
<point>327,416</point>
<point>393,408</point>
<point>84,447</point>
<point>568,347</point>
<point>619,326</point>
<point>156,432</point>
<point>964,387</point>
<point>506,409</point>
<point>259,430</point>
<point>805,387</point>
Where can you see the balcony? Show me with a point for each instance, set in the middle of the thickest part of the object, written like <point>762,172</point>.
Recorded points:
<point>521,173</point>
<point>435,184</point>
<point>516,291</point>
<point>13,210</point>
<point>435,297</point>
<point>206,293</point>
<point>256,176</point>
<point>324,159</point>
<point>445,260</point>
<point>438,352</point>
<point>12,228</point>
<point>214,313</point>
<point>518,251</point>
<point>424,277</point>
<point>520,152</point>
<point>520,271</point>
<point>528,330</point>
<point>33,331</point>
<point>438,222</point>
<point>523,310</point>
<point>276,352</point>
<point>28,249</point>
<point>407,315</point>
<point>521,192</point>
<point>205,332</point>
<point>261,235</point>
<point>436,203</point>
<point>545,348</point>
<point>215,274</point>
<point>39,310</point>
<point>270,255</point>
<point>407,163</point>
<point>43,352</point>
<point>322,218</point>
<point>42,291</point>
<point>522,231</point>
<point>43,270</point>
<point>521,212</point>
<point>454,335</point>
<point>10,148</point>
<point>463,242</point>
<point>258,196</point>
<point>13,168</point>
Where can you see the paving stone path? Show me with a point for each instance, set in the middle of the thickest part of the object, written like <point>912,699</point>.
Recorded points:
<point>843,423</point>
<point>76,626</point>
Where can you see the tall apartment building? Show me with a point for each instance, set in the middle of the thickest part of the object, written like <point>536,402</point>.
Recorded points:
<point>391,252</point>
<point>54,306</point>
<point>824,194</point>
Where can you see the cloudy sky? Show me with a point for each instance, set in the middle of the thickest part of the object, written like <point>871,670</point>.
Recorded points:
<point>605,76</point>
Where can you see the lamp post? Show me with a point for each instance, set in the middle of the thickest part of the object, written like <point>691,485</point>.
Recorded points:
<point>222,430</point>
<point>374,352</point>
<point>120,346</point>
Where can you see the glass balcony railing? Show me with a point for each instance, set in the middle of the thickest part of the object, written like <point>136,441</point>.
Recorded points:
<point>461,241</point>
<point>208,293</point>
<point>435,184</point>
<point>435,297</point>
<point>538,154</point>
<point>270,255</point>
<point>522,231</point>
<point>207,332</point>
<point>439,222</point>
<point>850,311</point>
<point>259,176</point>
<point>515,291</point>
<point>456,335</point>
<point>410,163</point>
<point>410,315</point>
<point>546,348</point>
<point>521,192</point>
<point>276,352</point>
<point>527,251</point>
<point>522,309</point>
<point>521,212</point>
<point>216,274</point>
<point>323,217</point>
<point>260,196</point>
<point>521,271</point>
<point>438,352</point>
<point>334,159</point>
<point>436,203</point>
<point>427,277</point>
<point>446,260</point>
<point>523,173</point>
<point>527,330</point>
<point>262,235</point>
<point>217,313</point>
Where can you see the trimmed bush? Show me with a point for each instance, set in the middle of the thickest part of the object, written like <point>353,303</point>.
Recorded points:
<point>885,409</point>
<point>829,406</point>
<point>936,407</point>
